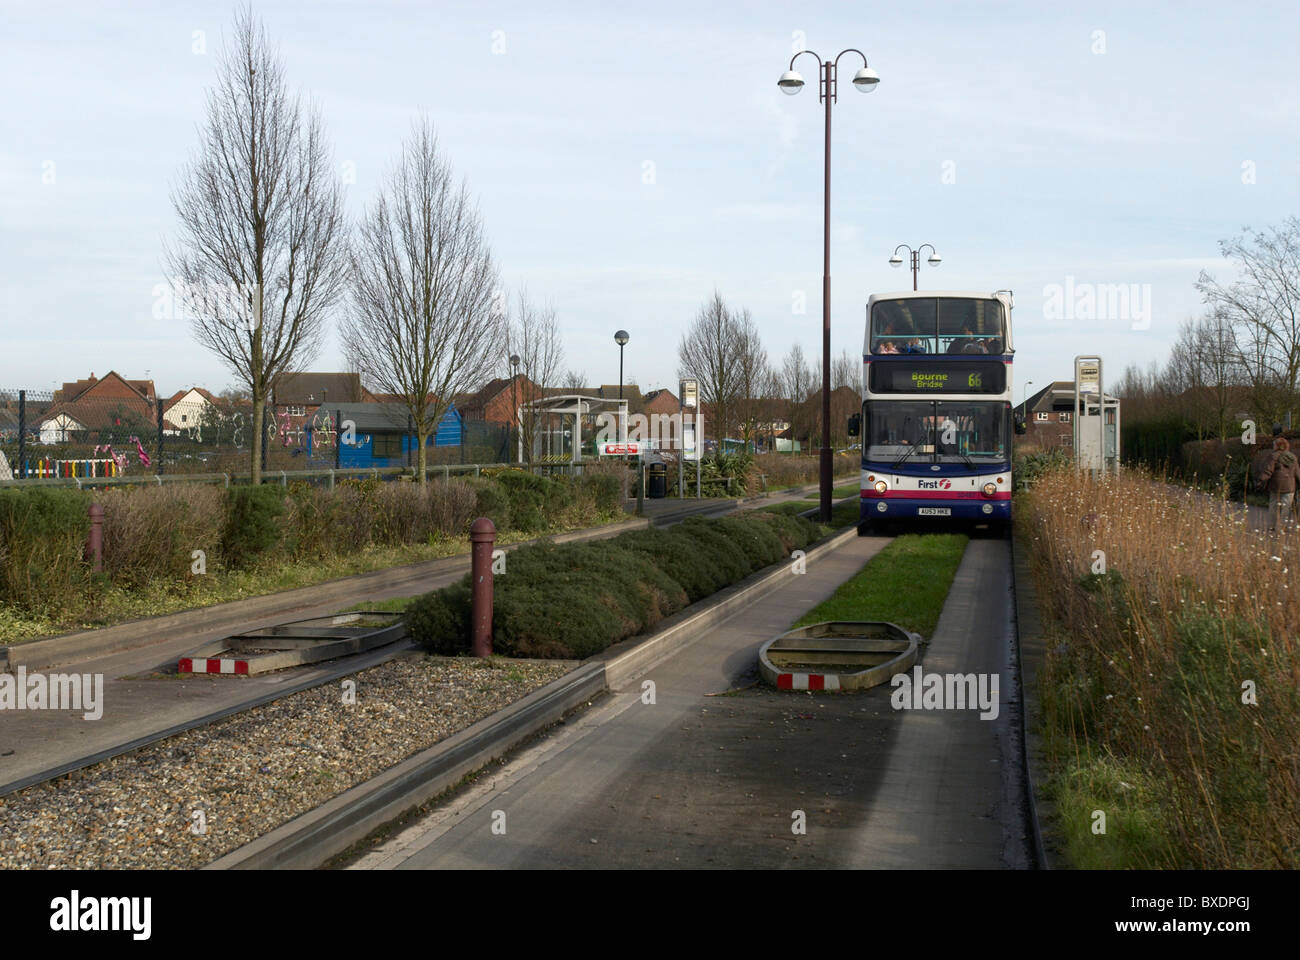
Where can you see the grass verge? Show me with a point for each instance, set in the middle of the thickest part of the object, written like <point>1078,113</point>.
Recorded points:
<point>905,583</point>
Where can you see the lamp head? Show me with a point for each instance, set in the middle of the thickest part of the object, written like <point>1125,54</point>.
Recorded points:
<point>866,79</point>
<point>791,82</point>
<point>895,261</point>
<point>621,337</point>
<point>934,260</point>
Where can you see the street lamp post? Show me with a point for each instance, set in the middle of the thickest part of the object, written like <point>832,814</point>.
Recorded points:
<point>514,399</point>
<point>621,338</point>
<point>933,260</point>
<point>791,82</point>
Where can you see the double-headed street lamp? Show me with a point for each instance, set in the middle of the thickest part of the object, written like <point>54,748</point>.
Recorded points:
<point>828,88</point>
<point>933,260</point>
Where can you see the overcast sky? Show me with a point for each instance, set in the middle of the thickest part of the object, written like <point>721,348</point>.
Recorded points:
<point>629,158</point>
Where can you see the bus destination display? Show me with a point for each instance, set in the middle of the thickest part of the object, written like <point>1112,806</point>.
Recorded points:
<point>951,376</point>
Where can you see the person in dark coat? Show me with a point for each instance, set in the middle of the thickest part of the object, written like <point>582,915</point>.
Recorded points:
<point>1280,477</point>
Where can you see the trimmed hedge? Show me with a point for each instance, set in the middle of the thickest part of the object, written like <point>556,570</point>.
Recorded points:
<point>151,532</point>
<point>42,536</point>
<point>570,601</point>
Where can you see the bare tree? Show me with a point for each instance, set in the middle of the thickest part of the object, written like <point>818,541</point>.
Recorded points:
<point>533,335</point>
<point>753,377</point>
<point>1263,303</point>
<point>574,381</point>
<point>798,379</point>
<point>845,372</point>
<point>707,353</point>
<point>422,323</point>
<point>262,255</point>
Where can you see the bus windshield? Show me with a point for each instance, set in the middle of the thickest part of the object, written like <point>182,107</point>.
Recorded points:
<point>962,325</point>
<point>913,432</point>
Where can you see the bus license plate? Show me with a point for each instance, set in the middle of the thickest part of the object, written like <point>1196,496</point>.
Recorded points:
<point>934,511</point>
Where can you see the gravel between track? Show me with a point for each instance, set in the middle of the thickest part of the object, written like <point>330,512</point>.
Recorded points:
<point>254,771</point>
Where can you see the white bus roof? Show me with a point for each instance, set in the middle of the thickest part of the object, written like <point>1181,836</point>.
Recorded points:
<point>916,294</point>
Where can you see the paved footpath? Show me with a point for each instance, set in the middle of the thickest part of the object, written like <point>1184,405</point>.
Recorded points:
<point>700,780</point>
<point>143,695</point>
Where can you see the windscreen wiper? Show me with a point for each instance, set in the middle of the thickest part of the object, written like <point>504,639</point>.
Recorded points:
<point>899,462</point>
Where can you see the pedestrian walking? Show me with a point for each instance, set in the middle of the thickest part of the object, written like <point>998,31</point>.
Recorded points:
<point>1279,478</point>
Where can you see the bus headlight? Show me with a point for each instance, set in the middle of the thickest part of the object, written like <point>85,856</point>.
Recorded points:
<point>988,508</point>
<point>990,489</point>
<point>881,506</point>
<point>881,486</point>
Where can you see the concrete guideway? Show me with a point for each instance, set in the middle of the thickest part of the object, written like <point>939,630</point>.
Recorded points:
<point>140,709</point>
<point>698,780</point>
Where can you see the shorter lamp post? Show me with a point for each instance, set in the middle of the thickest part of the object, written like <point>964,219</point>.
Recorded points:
<point>621,338</point>
<point>915,255</point>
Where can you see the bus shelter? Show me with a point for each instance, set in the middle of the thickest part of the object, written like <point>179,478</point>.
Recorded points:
<point>563,428</point>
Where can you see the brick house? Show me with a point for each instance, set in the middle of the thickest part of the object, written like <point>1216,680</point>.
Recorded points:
<point>495,401</point>
<point>297,396</point>
<point>1048,416</point>
<point>96,408</point>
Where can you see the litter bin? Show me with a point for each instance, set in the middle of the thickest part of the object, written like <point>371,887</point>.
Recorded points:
<point>657,480</point>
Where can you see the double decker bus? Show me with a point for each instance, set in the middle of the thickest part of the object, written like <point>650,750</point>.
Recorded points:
<point>936,422</point>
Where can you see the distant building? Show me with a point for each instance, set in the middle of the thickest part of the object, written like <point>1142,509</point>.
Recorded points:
<point>99,408</point>
<point>297,396</point>
<point>496,400</point>
<point>380,431</point>
<point>187,410</point>
<point>1048,416</point>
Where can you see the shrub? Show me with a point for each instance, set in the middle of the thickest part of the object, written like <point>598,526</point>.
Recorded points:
<point>310,522</point>
<point>42,536</point>
<point>605,489</point>
<point>253,524</point>
<point>150,533</point>
<point>451,506</point>
<point>573,600</point>
<point>491,501</point>
<point>527,494</point>
<point>440,619</point>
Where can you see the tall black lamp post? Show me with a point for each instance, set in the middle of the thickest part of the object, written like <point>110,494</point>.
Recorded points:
<point>791,82</point>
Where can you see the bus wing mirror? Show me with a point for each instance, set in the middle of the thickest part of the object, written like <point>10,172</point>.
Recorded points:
<point>1021,427</point>
<point>855,422</point>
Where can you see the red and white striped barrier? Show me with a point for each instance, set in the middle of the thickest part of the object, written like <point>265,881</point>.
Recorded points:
<point>807,681</point>
<point>212,665</point>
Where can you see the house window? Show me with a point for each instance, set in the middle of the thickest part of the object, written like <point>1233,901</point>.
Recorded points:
<point>1067,440</point>
<point>1041,416</point>
<point>297,411</point>
<point>183,417</point>
<point>385,446</point>
<point>1063,417</point>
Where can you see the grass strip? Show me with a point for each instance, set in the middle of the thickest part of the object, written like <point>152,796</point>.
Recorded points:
<point>906,583</point>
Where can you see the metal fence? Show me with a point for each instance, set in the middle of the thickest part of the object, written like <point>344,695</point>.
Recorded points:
<point>43,436</point>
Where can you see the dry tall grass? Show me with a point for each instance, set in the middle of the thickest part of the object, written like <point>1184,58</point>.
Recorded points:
<point>1171,700</point>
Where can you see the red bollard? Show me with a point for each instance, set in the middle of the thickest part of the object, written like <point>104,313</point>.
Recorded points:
<point>482,537</point>
<point>95,546</point>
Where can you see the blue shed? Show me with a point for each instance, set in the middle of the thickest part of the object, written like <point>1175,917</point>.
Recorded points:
<point>380,434</point>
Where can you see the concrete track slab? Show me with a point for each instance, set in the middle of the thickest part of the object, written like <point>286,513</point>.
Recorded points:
<point>713,781</point>
<point>143,695</point>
